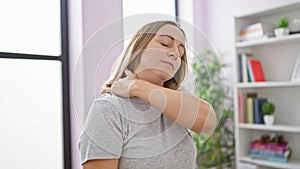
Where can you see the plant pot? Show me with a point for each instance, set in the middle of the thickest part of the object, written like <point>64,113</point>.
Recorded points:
<point>269,119</point>
<point>281,32</point>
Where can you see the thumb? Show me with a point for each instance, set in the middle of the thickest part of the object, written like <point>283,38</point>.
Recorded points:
<point>129,74</point>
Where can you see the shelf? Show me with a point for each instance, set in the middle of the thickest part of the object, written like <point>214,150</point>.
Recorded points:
<point>292,164</point>
<point>273,40</point>
<point>278,55</point>
<point>280,128</point>
<point>268,84</point>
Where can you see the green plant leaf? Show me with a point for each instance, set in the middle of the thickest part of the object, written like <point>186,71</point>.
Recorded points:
<point>282,22</point>
<point>218,149</point>
<point>268,108</point>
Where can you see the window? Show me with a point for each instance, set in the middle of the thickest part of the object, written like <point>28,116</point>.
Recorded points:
<point>31,109</point>
<point>133,7</point>
<point>34,104</point>
<point>137,13</point>
<point>31,27</point>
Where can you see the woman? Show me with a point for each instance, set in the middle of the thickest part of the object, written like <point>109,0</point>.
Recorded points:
<point>142,118</point>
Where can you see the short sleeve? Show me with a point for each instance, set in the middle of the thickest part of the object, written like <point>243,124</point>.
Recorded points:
<point>102,134</point>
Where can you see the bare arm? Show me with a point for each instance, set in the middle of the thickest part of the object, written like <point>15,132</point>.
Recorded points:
<point>101,164</point>
<point>187,110</point>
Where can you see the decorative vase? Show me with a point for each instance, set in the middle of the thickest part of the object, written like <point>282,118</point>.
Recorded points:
<point>269,119</point>
<point>281,32</point>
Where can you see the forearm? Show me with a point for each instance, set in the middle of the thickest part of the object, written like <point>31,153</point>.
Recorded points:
<point>187,110</point>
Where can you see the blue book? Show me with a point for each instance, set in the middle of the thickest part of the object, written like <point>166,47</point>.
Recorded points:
<point>268,153</point>
<point>251,79</point>
<point>273,159</point>
<point>258,116</point>
<point>240,67</point>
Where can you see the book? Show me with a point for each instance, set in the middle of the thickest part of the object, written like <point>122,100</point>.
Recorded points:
<point>257,110</point>
<point>255,31</point>
<point>269,158</point>
<point>241,107</point>
<point>255,70</point>
<point>251,32</point>
<point>242,66</point>
<point>250,110</point>
<point>268,153</point>
<point>249,99</point>
<point>269,146</point>
<point>245,71</point>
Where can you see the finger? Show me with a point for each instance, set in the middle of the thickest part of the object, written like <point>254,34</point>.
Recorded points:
<point>107,90</point>
<point>129,74</point>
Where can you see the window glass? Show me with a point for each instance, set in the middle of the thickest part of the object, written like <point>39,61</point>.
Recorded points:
<point>30,27</point>
<point>31,124</point>
<point>165,10</point>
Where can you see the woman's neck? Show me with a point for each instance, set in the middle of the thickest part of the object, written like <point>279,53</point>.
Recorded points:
<point>151,77</point>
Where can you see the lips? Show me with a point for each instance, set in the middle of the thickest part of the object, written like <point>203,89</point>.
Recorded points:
<point>169,63</point>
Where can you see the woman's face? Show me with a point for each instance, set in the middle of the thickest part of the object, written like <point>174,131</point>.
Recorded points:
<point>162,56</point>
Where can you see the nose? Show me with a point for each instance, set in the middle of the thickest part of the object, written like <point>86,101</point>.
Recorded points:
<point>174,52</point>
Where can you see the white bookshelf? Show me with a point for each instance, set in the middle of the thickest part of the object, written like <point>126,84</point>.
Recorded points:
<point>279,128</point>
<point>267,84</point>
<point>292,164</point>
<point>294,38</point>
<point>278,56</point>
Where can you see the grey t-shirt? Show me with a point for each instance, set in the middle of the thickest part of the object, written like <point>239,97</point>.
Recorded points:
<point>137,134</point>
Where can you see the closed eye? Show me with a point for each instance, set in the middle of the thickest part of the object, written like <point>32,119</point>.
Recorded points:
<point>164,44</point>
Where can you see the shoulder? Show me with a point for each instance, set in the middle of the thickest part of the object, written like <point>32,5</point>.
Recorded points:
<point>107,99</point>
<point>109,102</point>
<point>104,112</point>
<point>104,105</point>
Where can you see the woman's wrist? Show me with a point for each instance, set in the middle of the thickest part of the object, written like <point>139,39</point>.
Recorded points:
<point>135,87</point>
<point>139,88</point>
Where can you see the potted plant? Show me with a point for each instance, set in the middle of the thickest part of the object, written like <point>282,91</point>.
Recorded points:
<point>282,27</point>
<point>215,151</point>
<point>268,108</point>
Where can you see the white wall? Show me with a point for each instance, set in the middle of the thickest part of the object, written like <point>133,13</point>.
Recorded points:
<point>75,47</point>
<point>96,15</point>
<point>86,17</point>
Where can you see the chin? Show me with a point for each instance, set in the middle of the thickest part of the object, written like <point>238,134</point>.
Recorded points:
<point>164,74</point>
<point>158,73</point>
<point>167,77</point>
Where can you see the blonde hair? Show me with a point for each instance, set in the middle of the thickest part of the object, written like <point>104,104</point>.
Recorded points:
<point>131,56</point>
